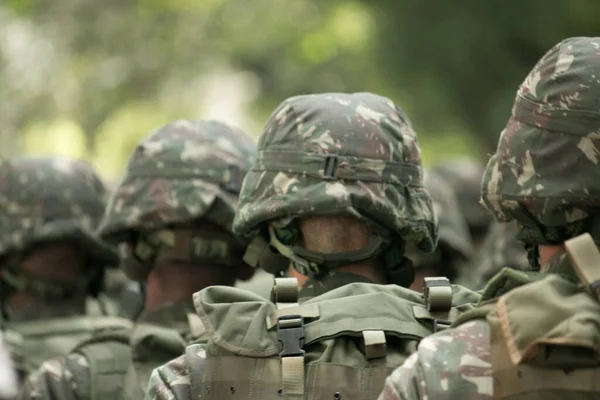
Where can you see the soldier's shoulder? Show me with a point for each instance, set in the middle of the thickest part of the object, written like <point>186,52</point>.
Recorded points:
<point>449,364</point>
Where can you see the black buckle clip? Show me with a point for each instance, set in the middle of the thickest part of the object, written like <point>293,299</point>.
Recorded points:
<point>330,168</point>
<point>290,333</point>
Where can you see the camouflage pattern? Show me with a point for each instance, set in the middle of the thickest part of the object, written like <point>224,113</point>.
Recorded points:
<point>544,171</point>
<point>464,176</point>
<point>179,173</point>
<point>454,246</point>
<point>51,198</point>
<point>499,249</point>
<point>543,175</point>
<point>176,174</point>
<point>456,363</point>
<point>8,379</point>
<point>336,153</point>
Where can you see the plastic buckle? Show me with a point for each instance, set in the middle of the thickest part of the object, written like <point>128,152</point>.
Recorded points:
<point>330,167</point>
<point>441,324</point>
<point>290,333</point>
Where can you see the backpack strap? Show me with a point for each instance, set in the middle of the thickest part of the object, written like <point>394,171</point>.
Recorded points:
<point>437,293</point>
<point>585,258</point>
<point>108,364</point>
<point>285,292</point>
<point>290,333</point>
<point>195,358</point>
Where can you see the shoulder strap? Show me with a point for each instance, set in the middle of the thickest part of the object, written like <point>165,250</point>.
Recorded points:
<point>585,259</point>
<point>195,358</point>
<point>108,364</point>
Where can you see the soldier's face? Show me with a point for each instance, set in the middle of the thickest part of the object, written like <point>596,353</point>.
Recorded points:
<point>54,261</point>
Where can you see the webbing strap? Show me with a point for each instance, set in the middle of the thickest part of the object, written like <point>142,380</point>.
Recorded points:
<point>437,292</point>
<point>375,344</point>
<point>108,364</point>
<point>254,250</point>
<point>585,258</point>
<point>285,292</point>
<point>195,358</point>
<point>290,333</point>
<point>306,311</point>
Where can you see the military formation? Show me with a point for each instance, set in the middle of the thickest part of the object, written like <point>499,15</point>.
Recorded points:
<point>322,262</point>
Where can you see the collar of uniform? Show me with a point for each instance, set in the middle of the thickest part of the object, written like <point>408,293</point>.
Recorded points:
<point>559,264</point>
<point>328,281</point>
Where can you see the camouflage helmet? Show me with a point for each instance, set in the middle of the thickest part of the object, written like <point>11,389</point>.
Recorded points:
<point>464,175</point>
<point>180,173</point>
<point>545,172</point>
<point>336,154</point>
<point>454,243</point>
<point>46,199</point>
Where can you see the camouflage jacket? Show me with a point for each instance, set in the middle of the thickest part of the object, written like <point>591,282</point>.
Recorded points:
<point>455,363</point>
<point>152,342</point>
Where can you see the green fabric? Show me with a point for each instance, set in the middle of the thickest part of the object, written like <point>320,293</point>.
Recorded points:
<point>551,323</point>
<point>109,359</point>
<point>36,341</point>
<point>243,354</point>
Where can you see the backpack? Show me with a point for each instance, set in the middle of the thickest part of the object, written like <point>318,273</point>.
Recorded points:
<point>545,335</point>
<point>342,344</point>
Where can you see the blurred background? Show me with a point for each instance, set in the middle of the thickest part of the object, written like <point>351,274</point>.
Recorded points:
<point>89,78</point>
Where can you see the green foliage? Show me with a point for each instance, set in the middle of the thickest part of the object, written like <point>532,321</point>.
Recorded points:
<point>453,67</point>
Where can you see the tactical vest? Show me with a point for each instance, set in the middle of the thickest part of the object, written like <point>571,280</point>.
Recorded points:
<point>545,335</point>
<point>342,344</point>
<point>31,343</point>
<point>120,362</point>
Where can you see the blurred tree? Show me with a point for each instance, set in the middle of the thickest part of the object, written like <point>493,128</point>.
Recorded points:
<point>112,70</point>
<point>462,62</point>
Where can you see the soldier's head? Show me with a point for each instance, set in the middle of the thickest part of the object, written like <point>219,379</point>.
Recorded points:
<point>338,185</point>
<point>173,210</point>
<point>49,208</point>
<point>454,247</point>
<point>545,172</point>
<point>464,176</point>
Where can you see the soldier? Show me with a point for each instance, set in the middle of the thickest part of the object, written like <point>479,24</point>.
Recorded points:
<point>51,262</point>
<point>337,191</point>
<point>173,212</point>
<point>500,249</point>
<point>537,334</point>
<point>454,246</point>
<point>8,379</point>
<point>464,176</point>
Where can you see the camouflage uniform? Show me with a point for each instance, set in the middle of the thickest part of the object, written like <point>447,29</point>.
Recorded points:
<point>464,176</point>
<point>46,200</point>
<point>543,175</point>
<point>454,248</point>
<point>326,154</point>
<point>180,174</point>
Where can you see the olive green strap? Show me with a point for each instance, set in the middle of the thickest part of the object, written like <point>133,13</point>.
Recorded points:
<point>585,258</point>
<point>290,333</point>
<point>306,311</point>
<point>285,292</point>
<point>375,344</point>
<point>108,364</point>
<point>437,292</point>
